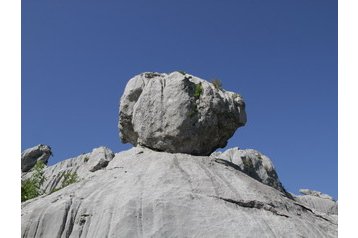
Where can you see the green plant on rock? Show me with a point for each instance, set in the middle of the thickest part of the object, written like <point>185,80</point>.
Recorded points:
<point>69,178</point>
<point>31,187</point>
<point>198,90</point>
<point>217,83</point>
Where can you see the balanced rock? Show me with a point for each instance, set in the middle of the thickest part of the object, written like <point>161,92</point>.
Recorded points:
<point>178,113</point>
<point>30,156</point>
<point>254,164</point>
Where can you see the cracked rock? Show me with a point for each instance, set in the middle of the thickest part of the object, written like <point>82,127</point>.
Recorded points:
<point>170,195</point>
<point>178,113</point>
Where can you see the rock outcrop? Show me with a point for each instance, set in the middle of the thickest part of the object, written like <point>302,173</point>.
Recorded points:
<point>168,185</point>
<point>30,156</point>
<point>254,164</point>
<point>318,201</point>
<point>178,113</point>
<point>83,166</point>
<point>144,193</point>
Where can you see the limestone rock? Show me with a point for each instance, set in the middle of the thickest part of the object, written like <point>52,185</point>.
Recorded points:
<point>143,193</point>
<point>178,113</point>
<point>315,193</point>
<point>318,201</point>
<point>83,165</point>
<point>254,164</point>
<point>30,156</point>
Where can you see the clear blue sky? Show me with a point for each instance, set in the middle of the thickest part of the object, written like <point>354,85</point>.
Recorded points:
<point>280,55</point>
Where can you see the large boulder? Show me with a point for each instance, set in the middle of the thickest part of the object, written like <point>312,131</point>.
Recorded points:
<point>254,164</point>
<point>144,193</point>
<point>30,156</point>
<point>178,113</point>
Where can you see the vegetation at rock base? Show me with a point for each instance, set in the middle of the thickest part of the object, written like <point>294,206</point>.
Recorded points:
<point>31,187</point>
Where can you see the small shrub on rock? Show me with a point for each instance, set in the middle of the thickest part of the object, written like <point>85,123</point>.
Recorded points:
<point>69,178</point>
<point>198,90</point>
<point>31,187</point>
<point>217,83</point>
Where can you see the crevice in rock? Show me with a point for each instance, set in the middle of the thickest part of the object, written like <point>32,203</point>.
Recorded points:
<point>67,209</point>
<point>71,224</point>
<point>253,204</point>
<point>311,211</point>
<point>254,176</point>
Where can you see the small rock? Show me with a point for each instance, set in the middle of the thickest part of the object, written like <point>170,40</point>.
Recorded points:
<point>254,164</point>
<point>30,156</point>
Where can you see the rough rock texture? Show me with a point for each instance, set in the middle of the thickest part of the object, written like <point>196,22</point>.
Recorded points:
<point>318,201</point>
<point>143,193</point>
<point>178,113</point>
<point>319,194</point>
<point>254,164</point>
<point>83,165</point>
<point>30,156</point>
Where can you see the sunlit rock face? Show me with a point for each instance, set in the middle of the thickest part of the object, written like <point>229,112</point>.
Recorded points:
<point>254,164</point>
<point>145,193</point>
<point>30,156</point>
<point>178,113</point>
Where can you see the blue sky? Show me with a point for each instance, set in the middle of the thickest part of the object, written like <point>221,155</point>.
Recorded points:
<point>281,56</point>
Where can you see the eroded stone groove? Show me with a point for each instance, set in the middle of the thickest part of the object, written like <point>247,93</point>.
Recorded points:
<point>254,204</point>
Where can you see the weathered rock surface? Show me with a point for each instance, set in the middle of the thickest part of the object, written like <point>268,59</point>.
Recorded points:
<point>83,165</point>
<point>143,193</point>
<point>30,156</point>
<point>315,193</point>
<point>178,113</point>
<point>254,164</point>
<point>318,201</point>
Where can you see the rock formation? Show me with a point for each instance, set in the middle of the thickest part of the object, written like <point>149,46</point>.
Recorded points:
<point>30,156</point>
<point>254,164</point>
<point>168,185</point>
<point>318,201</point>
<point>144,193</point>
<point>178,113</point>
<point>83,165</point>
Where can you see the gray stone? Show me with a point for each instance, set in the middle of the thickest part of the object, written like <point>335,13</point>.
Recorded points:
<point>143,193</point>
<point>319,194</point>
<point>83,165</point>
<point>318,201</point>
<point>178,113</point>
<point>254,164</point>
<point>30,156</point>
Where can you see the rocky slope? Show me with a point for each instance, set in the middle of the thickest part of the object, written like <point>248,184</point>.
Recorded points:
<point>254,164</point>
<point>143,193</point>
<point>83,166</point>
